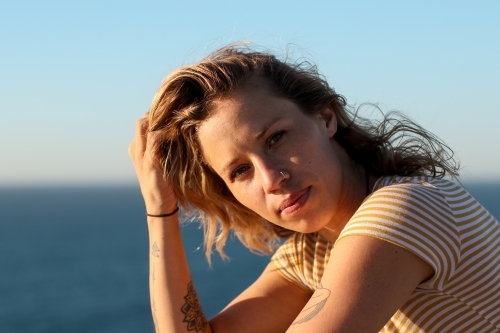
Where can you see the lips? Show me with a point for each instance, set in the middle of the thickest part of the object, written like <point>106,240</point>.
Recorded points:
<point>295,202</point>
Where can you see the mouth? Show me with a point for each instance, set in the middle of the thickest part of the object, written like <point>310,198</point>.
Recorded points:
<point>295,202</point>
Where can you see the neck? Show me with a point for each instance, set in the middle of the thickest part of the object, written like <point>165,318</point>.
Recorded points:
<point>357,184</point>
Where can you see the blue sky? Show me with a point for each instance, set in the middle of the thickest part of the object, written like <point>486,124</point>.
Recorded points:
<point>75,75</point>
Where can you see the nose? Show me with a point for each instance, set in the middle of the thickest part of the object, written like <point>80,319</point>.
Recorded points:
<point>272,177</point>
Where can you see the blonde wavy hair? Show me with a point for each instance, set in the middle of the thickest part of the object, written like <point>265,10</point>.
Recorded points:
<point>393,146</point>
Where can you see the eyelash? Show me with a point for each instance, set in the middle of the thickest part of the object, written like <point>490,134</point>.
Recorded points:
<point>238,172</point>
<point>273,139</point>
<point>278,135</point>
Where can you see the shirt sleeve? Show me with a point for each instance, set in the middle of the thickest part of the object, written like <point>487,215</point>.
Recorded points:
<point>302,259</point>
<point>416,217</point>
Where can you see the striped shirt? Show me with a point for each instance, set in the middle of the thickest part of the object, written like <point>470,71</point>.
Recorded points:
<point>441,223</point>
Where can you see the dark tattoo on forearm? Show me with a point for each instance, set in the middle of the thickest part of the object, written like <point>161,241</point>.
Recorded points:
<point>316,303</point>
<point>155,250</point>
<point>193,314</point>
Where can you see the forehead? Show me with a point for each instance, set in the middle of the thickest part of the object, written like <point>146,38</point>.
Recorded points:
<point>236,120</point>
<point>249,104</point>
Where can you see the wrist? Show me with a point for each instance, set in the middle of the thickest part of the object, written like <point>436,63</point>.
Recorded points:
<point>161,208</point>
<point>173,212</point>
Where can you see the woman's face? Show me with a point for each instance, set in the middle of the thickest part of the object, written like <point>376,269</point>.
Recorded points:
<point>275,159</point>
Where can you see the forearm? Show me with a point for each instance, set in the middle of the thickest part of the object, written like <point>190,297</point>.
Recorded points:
<point>174,303</point>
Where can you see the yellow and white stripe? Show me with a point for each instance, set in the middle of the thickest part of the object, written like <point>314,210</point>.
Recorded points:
<point>441,223</point>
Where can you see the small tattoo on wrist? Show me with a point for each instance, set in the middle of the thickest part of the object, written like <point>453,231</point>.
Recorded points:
<point>156,250</point>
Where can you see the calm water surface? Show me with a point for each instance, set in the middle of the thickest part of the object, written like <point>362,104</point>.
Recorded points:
<point>76,260</point>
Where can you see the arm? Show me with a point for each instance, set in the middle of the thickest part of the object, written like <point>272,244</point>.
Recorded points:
<point>365,282</point>
<point>174,303</point>
<point>269,305</point>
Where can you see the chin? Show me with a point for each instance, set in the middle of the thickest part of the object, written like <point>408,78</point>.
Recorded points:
<point>306,227</point>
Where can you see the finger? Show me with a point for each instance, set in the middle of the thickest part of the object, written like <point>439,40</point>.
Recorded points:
<point>153,139</point>
<point>139,142</point>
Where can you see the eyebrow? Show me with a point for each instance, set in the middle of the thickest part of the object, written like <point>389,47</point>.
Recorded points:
<point>261,133</point>
<point>257,137</point>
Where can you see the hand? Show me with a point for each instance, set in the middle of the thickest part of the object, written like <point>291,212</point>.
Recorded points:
<point>157,192</point>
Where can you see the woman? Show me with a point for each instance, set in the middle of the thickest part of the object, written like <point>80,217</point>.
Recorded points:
<point>266,148</point>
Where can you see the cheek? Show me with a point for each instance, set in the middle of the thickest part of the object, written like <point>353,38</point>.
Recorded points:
<point>254,199</point>
<point>247,195</point>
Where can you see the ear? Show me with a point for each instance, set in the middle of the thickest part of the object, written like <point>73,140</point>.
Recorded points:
<point>329,118</point>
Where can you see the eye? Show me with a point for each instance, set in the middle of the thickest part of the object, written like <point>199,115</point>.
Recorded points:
<point>238,172</point>
<point>275,138</point>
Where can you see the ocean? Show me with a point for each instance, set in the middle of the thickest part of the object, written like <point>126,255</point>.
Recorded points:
<point>75,259</point>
